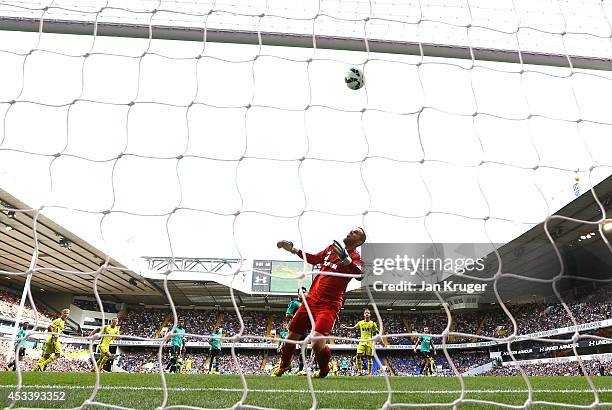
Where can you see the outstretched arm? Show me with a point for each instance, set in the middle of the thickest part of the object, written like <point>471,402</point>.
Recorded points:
<point>310,258</point>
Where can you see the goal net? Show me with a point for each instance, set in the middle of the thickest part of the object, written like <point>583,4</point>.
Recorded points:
<point>214,129</point>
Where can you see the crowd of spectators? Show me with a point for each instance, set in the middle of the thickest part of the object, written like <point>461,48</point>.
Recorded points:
<point>462,322</point>
<point>75,359</point>
<point>554,369</point>
<point>146,361</point>
<point>401,363</point>
<point>465,361</point>
<point>410,365</point>
<point>532,318</point>
<point>68,362</point>
<point>347,319</point>
<point>93,305</point>
<point>404,363</point>
<point>134,361</point>
<point>394,324</point>
<point>148,322</point>
<point>403,366</point>
<point>249,362</point>
<point>255,324</point>
<point>143,322</point>
<point>9,307</point>
<point>199,322</point>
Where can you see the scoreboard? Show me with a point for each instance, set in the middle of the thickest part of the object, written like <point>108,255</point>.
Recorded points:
<point>261,276</point>
<point>278,276</point>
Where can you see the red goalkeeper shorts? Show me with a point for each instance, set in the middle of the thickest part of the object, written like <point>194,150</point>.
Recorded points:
<point>324,314</point>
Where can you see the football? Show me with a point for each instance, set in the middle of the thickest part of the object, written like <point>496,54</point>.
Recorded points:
<point>354,78</point>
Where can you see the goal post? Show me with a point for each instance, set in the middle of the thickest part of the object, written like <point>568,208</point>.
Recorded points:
<point>266,38</point>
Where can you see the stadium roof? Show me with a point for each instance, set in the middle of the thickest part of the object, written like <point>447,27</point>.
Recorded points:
<point>532,255</point>
<point>64,259</point>
<point>212,294</point>
<point>529,255</point>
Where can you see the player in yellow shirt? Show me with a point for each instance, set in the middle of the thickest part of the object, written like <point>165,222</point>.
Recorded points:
<point>53,348</point>
<point>334,367</point>
<point>368,329</point>
<point>110,332</point>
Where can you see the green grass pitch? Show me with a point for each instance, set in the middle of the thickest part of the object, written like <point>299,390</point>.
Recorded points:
<point>143,391</point>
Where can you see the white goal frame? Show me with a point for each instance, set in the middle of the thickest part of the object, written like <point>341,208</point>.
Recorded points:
<point>267,38</point>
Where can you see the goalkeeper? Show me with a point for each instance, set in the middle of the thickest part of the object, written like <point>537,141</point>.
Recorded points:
<point>52,349</point>
<point>426,348</point>
<point>324,299</point>
<point>368,329</point>
<point>108,334</point>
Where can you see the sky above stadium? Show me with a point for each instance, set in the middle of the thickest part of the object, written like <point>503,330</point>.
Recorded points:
<point>385,168</point>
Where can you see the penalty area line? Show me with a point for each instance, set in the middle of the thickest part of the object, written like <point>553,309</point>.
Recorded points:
<point>302,391</point>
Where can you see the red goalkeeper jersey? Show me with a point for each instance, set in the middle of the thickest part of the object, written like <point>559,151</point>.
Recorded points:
<point>326,288</point>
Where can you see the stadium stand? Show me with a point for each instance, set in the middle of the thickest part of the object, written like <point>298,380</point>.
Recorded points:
<point>134,361</point>
<point>145,361</point>
<point>553,369</point>
<point>255,323</point>
<point>9,306</point>
<point>144,321</point>
<point>93,305</point>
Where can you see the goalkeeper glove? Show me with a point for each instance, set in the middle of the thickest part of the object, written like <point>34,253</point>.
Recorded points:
<point>286,245</point>
<point>342,253</point>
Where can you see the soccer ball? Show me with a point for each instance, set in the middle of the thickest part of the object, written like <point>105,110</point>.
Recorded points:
<point>354,78</point>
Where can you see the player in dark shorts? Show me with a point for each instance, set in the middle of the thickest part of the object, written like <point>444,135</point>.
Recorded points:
<point>22,350</point>
<point>292,307</point>
<point>427,350</point>
<point>215,350</point>
<point>177,347</point>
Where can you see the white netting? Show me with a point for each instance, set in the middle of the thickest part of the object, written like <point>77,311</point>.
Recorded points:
<point>201,147</point>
